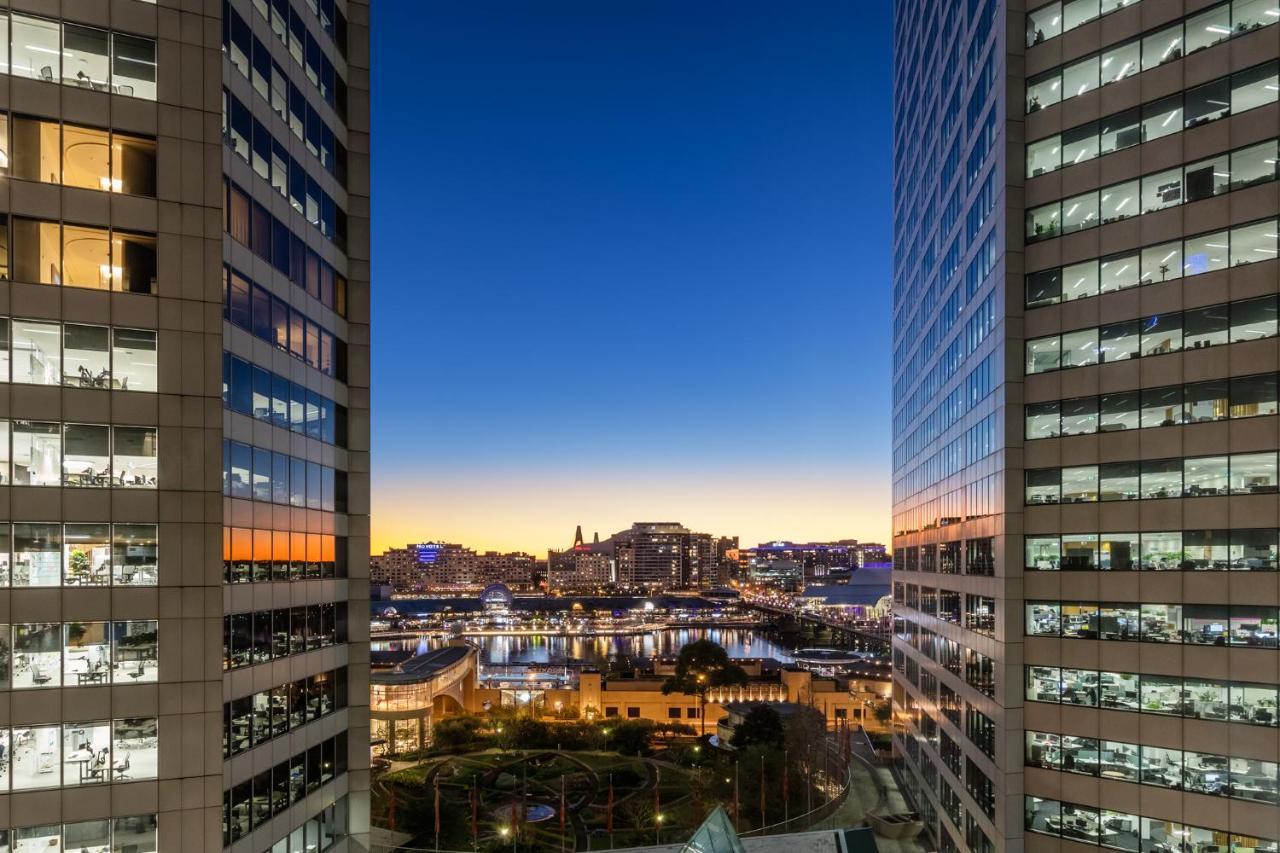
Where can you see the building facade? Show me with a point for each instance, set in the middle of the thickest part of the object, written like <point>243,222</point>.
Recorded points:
<point>123,549</point>
<point>443,567</point>
<point>291,269</point>
<point>665,555</point>
<point>1085,321</point>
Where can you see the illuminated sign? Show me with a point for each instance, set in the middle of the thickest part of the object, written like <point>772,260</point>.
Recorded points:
<point>429,553</point>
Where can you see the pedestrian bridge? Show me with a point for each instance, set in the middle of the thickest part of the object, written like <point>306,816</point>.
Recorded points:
<point>403,700</point>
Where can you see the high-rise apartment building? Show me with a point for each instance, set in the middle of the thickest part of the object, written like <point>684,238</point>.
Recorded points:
<point>184,442</point>
<point>664,555</point>
<point>1085,423</point>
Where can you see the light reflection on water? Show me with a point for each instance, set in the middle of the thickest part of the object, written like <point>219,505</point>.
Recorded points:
<point>555,649</point>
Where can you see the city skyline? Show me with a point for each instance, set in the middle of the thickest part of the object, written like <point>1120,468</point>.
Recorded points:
<point>535,529</point>
<point>588,532</point>
<point>647,278</point>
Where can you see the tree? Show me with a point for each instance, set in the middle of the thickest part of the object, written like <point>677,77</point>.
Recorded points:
<point>884,712</point>
<point>761,726</point>
<point>456,731</point>
<point>702,665</point>
<point>630,737</point>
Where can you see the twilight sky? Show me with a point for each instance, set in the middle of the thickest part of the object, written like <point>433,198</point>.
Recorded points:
<point>631,262</point>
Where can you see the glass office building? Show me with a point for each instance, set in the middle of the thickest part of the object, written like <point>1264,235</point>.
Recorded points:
<point>1086,427</point>
<point>183,421</point>
<point>293,275</point>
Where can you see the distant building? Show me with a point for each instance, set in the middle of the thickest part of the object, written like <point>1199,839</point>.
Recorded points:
<point>580,567</point>
<point>665,555</point>
<point>651,555</point>
<point>443,567</point>
<point>789,565</point>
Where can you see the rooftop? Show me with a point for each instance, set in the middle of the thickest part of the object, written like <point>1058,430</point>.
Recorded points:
<point>422,667</point>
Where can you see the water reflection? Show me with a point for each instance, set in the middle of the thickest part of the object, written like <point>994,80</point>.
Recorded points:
<point>555,649</point>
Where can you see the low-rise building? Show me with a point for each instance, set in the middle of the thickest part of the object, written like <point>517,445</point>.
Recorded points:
<point>448,567</point>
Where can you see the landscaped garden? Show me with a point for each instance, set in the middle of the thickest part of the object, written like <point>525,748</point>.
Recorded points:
<point>579,786</point>
<point>509,780</point>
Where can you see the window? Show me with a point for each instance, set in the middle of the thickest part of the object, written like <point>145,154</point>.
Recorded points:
<point>1043,420</point>
<point>1254,87</point>
<point>1044,23</point>
<point>37,554</point>
<point>1161,552</point>
<point>86,458</point>
<point>1253,319</point>
<point>1206,401</point>
<point>135,555</point>
<point>134,652</point>
<point>133,66</point>
<point>133,165</point>
<point>1161,406</point>
<point>1253,473</point>
<point>1161,333</point>
<point>87,555</point>
<point>1205,253</point>
<point>1253,550</point>
<point>1250,243</point>
<point>1203,327</point>
<point>37,453</point>
<point>37,352</point>
<point>1080,484</point>
<point>1205,550</point>
<point>1161,478</point>
<point>1043,553</point>
<point>134,360</point>
<point>1162,46</point>
<point>1119,551</point>
<point>1080,348</point>
<point>1118,412</point>
<point>37,653</point>
<point>1079,552</point>
<point>133,462</point>
<point>1044,486</point>
<point>1043,354</point>
<point>1118,481</point>
<point>37,48</point>
<point>1115,342</point>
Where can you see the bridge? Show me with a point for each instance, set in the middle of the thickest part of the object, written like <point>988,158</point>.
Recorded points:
<point>822,629</point>
<point>404,699</point>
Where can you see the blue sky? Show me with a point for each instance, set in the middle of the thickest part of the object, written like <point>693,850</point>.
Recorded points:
<point>631,261</point>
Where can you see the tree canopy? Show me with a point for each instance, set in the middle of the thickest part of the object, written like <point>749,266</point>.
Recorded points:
<point>762,726</point>
<point>703,664</point>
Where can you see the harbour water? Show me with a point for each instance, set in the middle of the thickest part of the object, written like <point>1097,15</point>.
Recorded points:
<point>551,649</point>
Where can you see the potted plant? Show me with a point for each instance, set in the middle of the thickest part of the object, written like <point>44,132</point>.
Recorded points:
<point>78,565</point>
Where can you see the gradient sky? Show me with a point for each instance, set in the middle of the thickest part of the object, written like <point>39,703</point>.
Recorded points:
<point>631,262</point>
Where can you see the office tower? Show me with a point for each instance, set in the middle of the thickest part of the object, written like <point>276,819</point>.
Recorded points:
<point>294,262</point>
<point>150,513</point>
<point>1085,439</point>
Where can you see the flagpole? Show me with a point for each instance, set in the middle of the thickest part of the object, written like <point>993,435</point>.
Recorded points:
<point>657,802</point>
<point>786,788</point>
<point>609,813</point>
<point>762,818</point>
<point>437,780</point>
<point>735,795</point>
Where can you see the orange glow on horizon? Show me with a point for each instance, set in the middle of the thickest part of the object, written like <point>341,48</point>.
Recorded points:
<point>533,514</point>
